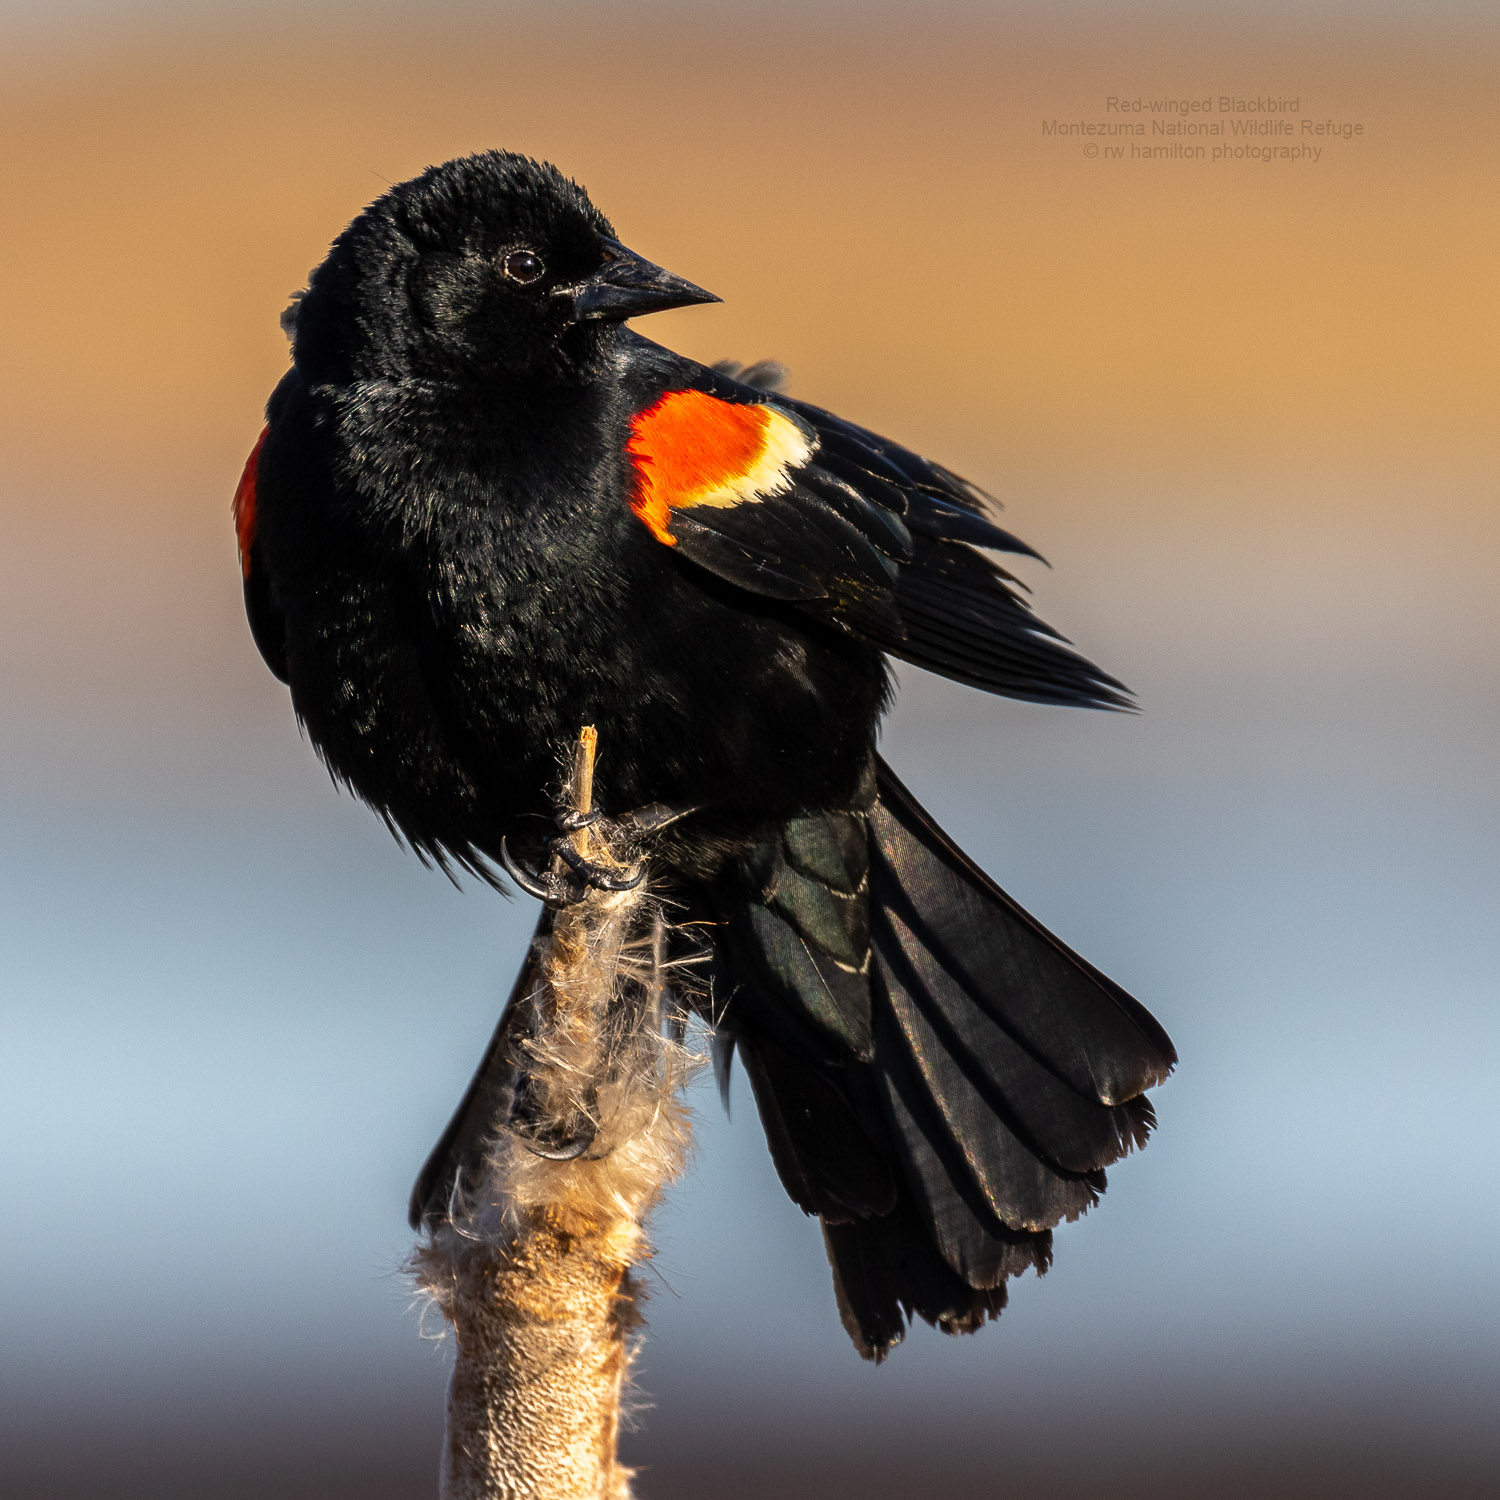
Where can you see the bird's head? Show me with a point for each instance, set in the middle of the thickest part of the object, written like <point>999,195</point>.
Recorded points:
<point>492,268</point>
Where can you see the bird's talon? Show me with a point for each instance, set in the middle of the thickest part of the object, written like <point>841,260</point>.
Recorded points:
<point>542,884</point>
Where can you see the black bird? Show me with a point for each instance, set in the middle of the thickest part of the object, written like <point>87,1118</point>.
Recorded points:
<point>483,512</point>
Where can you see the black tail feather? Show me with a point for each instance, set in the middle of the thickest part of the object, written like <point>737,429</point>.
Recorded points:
<point>830,1159</point>
<point>959,1149</point>
<point>946,1178</point>
<point>886,1271</point>
<point>1077,1023</point>
<point>984,1063</point>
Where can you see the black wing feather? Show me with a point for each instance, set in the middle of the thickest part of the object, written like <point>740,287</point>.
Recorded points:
<point>267,626</point>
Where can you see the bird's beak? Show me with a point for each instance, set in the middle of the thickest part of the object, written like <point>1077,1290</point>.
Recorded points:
<point>626,286</point>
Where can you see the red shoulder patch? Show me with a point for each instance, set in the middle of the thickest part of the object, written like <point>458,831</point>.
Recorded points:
<point>690,448</point>
<point>244,502</point>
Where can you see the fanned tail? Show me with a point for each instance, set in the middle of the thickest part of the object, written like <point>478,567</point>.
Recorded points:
<point>1003,1073</point>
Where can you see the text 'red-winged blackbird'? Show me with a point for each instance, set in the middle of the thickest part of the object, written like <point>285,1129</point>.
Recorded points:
<point>484,512</point>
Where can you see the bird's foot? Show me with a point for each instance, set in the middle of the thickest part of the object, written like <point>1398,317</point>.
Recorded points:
<point>544,1134</point>
<point>578,876</point>
<point>565,876</point>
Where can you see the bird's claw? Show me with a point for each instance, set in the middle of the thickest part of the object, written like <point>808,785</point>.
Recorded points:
<point>542,884</point>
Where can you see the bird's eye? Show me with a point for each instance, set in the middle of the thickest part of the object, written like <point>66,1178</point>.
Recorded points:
<point>523,266</point>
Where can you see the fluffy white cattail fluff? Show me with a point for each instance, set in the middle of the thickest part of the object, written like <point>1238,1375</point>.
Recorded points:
<point>532,1268</point>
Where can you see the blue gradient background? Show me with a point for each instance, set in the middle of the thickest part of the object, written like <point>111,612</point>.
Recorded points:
<point>235,1015</point>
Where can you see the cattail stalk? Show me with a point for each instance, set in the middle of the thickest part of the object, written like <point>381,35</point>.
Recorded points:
<point>533,1272</point>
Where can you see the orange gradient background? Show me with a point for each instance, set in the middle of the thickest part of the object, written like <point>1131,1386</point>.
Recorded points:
<point>1248,410</point>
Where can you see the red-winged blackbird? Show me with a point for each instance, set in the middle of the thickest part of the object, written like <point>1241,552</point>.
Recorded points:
<point>484,512</point>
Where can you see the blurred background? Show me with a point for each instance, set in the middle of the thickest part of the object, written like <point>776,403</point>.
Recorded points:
<point>1247,408</point>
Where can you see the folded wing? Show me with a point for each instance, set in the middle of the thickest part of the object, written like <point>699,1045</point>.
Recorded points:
<point>791,502</point>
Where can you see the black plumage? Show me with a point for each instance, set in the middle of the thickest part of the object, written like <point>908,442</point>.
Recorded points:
<point>484,513</point>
